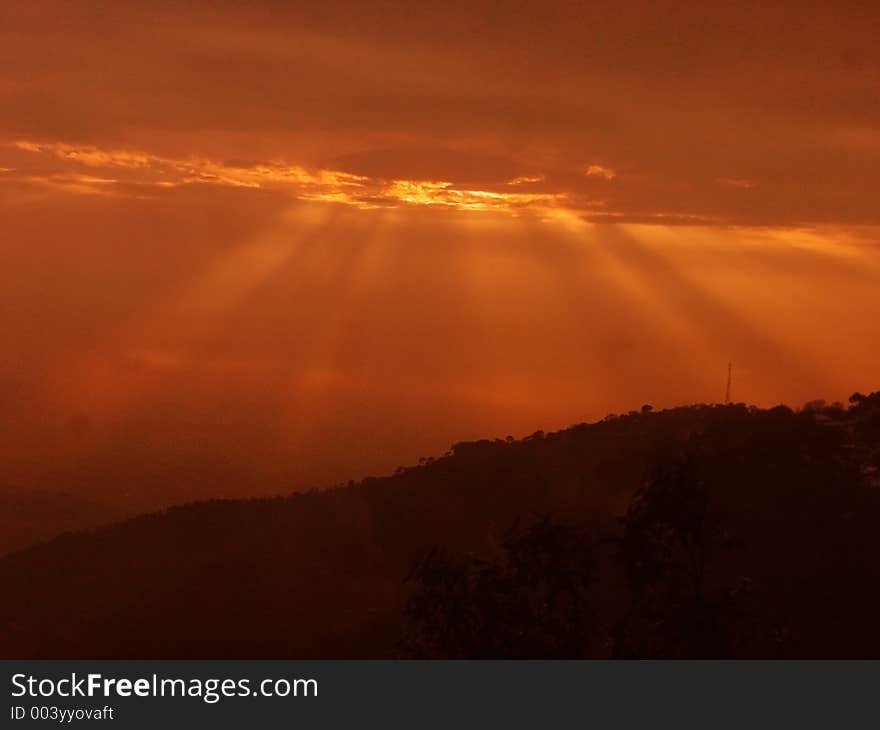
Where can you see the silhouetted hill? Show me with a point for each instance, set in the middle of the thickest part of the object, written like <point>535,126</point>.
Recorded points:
<point>791,497</point>
<point>27,517</point>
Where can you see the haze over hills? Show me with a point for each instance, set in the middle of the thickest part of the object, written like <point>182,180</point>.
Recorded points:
<point>30,516</point>
<point>786,528</point>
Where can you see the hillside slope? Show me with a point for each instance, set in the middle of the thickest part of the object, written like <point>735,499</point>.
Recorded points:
<point>322,574</point>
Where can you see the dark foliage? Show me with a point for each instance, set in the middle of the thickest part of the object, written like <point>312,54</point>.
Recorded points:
<point>533,599</point>
<point>666,549</point>
<point>528,602</point>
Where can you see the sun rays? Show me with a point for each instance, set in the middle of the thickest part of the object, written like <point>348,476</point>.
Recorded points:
<point>602,307</point>
<point>387,317</point>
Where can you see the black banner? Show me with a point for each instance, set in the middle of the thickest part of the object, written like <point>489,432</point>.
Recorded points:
<point>267,694</point>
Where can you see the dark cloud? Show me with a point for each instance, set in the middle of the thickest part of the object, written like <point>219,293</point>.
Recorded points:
<point>677,94</point>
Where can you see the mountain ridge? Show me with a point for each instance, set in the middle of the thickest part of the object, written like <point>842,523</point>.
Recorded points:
<point>321,574</point>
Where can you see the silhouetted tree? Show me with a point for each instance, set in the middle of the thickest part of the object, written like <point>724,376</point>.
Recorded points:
<point>666,547</point>
<point>528,602</point>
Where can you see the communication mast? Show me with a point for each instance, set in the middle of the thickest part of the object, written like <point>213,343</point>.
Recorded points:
<point>729,377</point>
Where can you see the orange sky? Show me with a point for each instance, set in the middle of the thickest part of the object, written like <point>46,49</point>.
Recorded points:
<point>249,247</point>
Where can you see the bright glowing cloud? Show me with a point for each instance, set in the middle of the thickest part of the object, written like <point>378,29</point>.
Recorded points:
<point>606,173</point>
<point>526,180</point>
<point>333,186</point>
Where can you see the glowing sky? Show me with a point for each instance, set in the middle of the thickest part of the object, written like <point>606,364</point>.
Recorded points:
<point>249,247</point>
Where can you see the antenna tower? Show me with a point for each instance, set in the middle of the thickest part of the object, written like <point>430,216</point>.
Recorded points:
<point>729,378</point>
